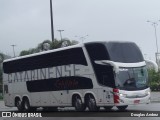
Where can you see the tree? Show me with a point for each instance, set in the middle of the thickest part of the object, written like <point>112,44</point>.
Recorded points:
<point>24,52</point>
<point>74,42</point>
<point>45,45</point>
<point>154,79</point>
<point>1,60</point>
<point>1,84</point>
<point>0,75</point>
<point>63,43</point>
<point>1,57</point>
<point>49,45</point>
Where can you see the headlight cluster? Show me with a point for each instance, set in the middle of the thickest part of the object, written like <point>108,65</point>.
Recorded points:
<point>147,92</point>
<point>122,95</point>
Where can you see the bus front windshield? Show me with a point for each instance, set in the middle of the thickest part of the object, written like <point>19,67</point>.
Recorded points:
<point>132,78</point>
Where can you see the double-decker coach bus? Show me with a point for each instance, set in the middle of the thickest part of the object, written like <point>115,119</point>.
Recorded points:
<point>93,75</point>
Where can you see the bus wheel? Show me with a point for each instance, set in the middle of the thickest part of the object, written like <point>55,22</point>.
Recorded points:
<point>19,105</point>
<point>27,106</point>
<point>122,107</point>
<point>91,103</point>
<point>79,106</point>
<point>108,107</point>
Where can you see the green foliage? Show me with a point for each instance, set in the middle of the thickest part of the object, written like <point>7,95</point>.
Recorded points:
<point>1,78</point>
<point>0,75</point>
<point>51,45</point>
<point>154,80</point>
<point>24,52</point>
<point>1,57</point>
<point>1,97</point>
<point>1,60</point>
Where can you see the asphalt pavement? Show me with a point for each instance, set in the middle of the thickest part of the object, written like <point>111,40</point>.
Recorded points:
<point>155,96</point>
<point>154,106</point>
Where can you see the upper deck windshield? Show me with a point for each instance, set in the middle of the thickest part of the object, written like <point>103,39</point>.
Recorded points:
<point>132,78</point>
<point>125,52</point>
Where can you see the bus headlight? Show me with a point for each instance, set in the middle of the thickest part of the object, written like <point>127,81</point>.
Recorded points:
<point>147,92</point>
<point>122,95</point>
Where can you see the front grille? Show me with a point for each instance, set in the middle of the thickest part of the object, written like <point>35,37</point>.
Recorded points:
<point>136,96</point>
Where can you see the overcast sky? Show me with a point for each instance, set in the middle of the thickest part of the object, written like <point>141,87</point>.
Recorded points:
<point>26,23</point>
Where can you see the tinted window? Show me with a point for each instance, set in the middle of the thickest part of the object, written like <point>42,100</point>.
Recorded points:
<point>97,51</point>
<point>132,78</point>
<point>104,73</point>
<point>64,57</point>
<point>124,52</point>
<point>62,83</point>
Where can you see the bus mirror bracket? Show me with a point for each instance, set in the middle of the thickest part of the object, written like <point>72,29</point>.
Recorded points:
<point>107,62</point>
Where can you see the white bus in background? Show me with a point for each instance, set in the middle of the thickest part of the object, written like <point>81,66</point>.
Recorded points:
<point>93,75</point>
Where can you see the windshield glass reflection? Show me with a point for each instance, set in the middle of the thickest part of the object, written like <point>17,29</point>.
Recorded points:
<point>132,78</point>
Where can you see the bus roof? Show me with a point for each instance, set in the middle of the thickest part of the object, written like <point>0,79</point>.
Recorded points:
<point>64,48</point>
<point>115,41</point>
<point>43,52</point>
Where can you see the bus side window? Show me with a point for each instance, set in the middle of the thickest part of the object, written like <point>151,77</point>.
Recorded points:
<point>103,73</point>
<point>107,79</point>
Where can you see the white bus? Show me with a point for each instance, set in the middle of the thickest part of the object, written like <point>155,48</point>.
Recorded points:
<point>93,75</point>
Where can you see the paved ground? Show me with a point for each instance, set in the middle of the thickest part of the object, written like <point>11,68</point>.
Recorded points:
<point>102,115</point>
<point>154,106</point>
<point>84,118</point>
<point>155,96</point>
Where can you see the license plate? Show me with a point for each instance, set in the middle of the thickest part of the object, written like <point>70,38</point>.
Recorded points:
<point>136,101</point>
